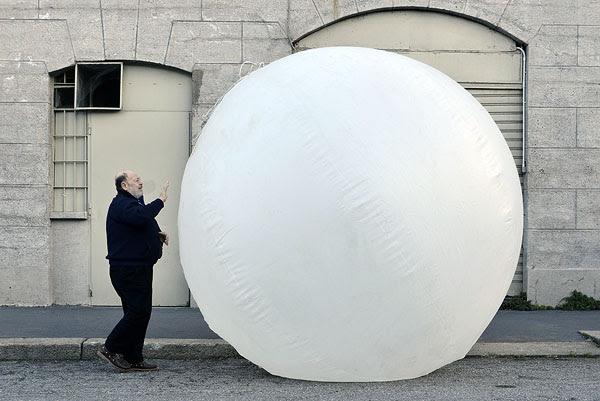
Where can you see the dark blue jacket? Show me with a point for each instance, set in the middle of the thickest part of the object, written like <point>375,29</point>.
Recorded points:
<point>132,232</point>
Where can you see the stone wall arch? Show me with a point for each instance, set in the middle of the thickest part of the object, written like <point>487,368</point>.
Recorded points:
<point>309,19</point>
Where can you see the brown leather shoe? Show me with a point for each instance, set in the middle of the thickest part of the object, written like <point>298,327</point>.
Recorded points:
<point>114,359</point>
<point>143,366</point>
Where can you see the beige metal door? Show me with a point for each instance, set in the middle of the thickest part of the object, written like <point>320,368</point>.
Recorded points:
<point>151,136</point>
<point>485,62</point>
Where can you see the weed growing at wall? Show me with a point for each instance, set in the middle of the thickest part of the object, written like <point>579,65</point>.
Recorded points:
<point>579,301</point>
<point>520,302</point>
<point>575,301</point>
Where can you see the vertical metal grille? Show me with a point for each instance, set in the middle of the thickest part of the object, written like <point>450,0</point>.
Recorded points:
<point>504,102</point>
<point>70,161</point>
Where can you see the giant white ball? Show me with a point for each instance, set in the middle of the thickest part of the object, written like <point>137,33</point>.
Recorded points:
<point>350,214</point>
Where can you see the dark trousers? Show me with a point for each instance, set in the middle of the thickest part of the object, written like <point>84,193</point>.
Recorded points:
<point>134,286</point>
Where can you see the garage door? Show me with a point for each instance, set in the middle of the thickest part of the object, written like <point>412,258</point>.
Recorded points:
<point>486,63</point>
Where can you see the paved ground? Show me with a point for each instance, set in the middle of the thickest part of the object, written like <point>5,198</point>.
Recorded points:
<point>182,333</point>
<point>74,333</point>
<point>237,379</point>
<point>96,322</point>
<point>540,326</point>
<point>92,322</point>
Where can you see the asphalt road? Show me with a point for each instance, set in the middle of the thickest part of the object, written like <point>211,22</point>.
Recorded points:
<point>468,379</point>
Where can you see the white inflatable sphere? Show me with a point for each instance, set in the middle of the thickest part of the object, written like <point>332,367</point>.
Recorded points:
<point>350,214</point>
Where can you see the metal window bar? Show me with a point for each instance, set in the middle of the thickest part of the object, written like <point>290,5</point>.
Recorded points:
<point>64,165</point>
<point>74,155</point>
<point>74,163</point>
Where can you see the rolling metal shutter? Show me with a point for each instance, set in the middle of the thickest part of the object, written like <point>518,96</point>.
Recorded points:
<point>504,102</point>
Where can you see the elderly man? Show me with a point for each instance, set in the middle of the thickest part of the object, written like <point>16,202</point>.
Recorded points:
<point>134,246</point>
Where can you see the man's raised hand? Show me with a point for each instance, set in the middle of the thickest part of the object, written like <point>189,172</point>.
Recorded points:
<point>163,195</point>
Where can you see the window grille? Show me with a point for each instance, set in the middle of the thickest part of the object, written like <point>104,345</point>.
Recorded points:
<point>70,153</point>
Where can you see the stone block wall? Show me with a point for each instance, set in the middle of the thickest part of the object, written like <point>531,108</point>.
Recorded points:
<point>24,182</point>
<point>563,179</point>
<point>219,41</point>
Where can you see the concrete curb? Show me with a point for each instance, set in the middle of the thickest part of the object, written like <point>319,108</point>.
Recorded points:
<point>591,335</point>
<point>40,349</point>
<point>535,349</point>
<point>47,349</point>
<point>169,348</point>
<point>52,349</point>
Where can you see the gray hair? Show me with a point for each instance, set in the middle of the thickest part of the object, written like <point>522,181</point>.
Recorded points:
<point>122,176</point>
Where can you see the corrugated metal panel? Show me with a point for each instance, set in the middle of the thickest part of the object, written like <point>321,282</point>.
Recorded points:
<point>504,102</point>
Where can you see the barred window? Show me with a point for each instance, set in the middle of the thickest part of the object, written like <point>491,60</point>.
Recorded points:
<point>70,152</point>
<point>79,90</point>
